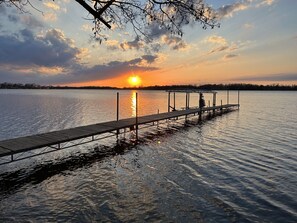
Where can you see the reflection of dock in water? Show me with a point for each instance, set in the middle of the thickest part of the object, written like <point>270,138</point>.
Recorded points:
<point>14,149</point>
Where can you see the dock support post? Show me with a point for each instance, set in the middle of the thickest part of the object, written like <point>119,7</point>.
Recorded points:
<point>227,97</point>
<point>214,101</point>
<point>158,120</point>
<point>174,101</point>
<point>186,100</point>
<point>221,106</point>
<point>118,113</point>
<point>238,99</point>
<point>200,107</point>
<point>168,101</point>
<point>136,112</point>
<point>187,104</point>
<point>118,98</point>
<point>189,95</point>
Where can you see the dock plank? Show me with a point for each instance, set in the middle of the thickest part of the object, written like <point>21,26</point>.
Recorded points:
<point>4,152</point>
<point>124,123</point>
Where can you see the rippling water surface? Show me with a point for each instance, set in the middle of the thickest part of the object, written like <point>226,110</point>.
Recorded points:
<point>239,167</point>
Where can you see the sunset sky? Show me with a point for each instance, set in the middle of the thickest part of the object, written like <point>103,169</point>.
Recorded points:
<point>256,43</point>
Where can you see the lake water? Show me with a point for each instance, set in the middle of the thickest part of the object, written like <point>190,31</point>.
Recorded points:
<point>238,167</point>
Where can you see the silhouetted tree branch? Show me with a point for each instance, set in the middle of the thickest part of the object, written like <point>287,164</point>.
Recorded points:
<point>169,15</point>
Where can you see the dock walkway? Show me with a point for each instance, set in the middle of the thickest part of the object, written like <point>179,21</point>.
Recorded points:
<point>53,139</point>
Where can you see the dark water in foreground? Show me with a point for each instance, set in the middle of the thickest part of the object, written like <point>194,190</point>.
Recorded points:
<point>239,167</point>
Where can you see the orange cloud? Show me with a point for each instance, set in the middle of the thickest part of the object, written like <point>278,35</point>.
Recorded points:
<point>216,39</point>
<point>52,5</point>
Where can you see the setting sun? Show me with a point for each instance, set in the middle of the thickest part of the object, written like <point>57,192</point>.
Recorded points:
<point>134,81</point>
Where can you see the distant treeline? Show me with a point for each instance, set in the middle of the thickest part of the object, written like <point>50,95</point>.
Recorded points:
<point>273,87</point>
<point>36,86</point>
<point>222,87</point>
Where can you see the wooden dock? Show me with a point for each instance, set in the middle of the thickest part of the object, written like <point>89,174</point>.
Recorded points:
<point>54,139</point>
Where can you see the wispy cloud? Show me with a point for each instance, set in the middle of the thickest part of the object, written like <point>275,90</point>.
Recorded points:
<point>2,9</point>
<point>216,39</point>
<point>149,58</point>
<point>219,49</point>
<point>112,44</point>
<point>50,17</point>
<point>52,5</point>
<point>230,56</point>
<point>265,2</point>
<point>175,43</point>
<point>269,77</point>
<point>219,44</point>
<point>25,20</point>
<point>87,27</point>
<point>229,10</point>
<point>157,38</point>
<point>248,26</point>
<point>137,44</point>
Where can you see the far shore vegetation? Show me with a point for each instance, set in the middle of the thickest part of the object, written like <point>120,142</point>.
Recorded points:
<point>240,86</point>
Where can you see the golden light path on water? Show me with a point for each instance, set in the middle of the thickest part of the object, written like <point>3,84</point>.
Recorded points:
<point>133,103</point>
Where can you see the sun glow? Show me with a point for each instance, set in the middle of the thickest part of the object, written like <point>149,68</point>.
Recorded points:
<point>134,81</point>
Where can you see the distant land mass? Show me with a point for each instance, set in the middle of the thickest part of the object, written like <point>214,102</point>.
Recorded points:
<point>242,87</point>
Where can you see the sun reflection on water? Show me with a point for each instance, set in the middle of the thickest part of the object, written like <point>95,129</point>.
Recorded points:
<point>133,103</point>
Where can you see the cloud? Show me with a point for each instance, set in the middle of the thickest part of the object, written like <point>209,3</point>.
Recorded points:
<point>155,32</point>
<point>216,39</point>
<point>229,10</point>
<point>87,27</point>
<point>51,49</point>
<point>149,58</point>
<point>220,44</point>
<point>80,73</point>
<point>50,17</point>
<point>27,20</point>
<point>155,39</point>
<point>31,22</point>
<point>52,5</point>
<point>52,58</point>
<point>13,18</point>
<point>137,44</point>
<point>2,9</point>
<point>265,2</point>
<point>219,49</point>
<point>248,26</point>
<point>229,56</point>
<point>112,44</point>
<point>270,77</point>
<point>176,43</point>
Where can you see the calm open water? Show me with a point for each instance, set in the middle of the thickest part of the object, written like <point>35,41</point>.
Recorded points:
<point>239,167</point>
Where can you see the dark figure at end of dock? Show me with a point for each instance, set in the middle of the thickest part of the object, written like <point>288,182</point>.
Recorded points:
<point>201,101</point>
